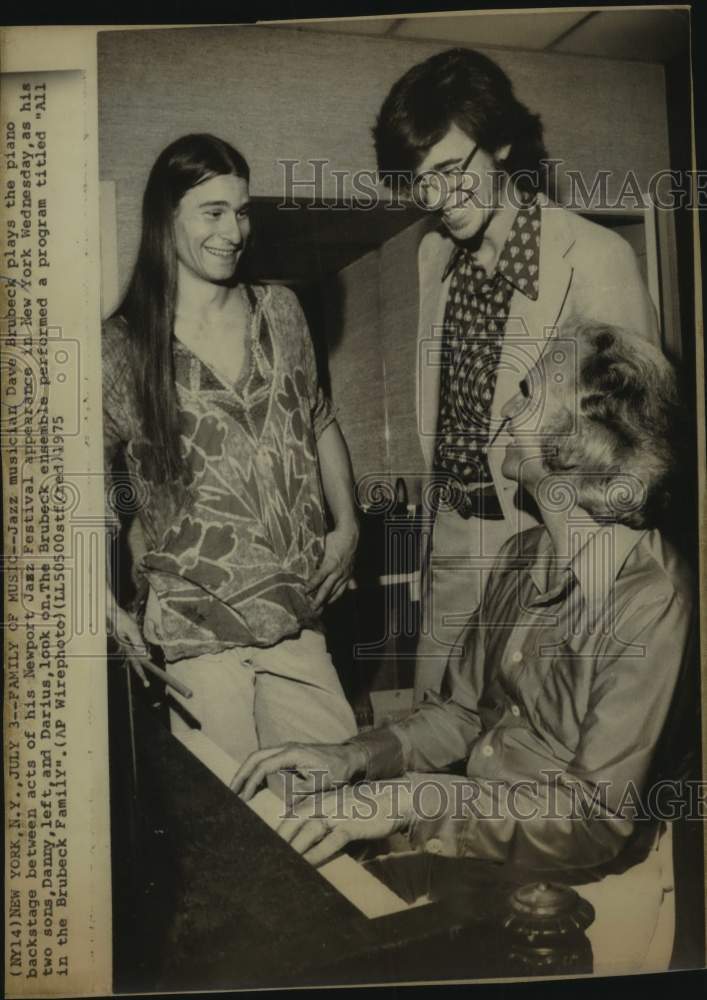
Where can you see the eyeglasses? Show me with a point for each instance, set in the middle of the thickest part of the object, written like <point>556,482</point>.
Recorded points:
<point>432,188</point>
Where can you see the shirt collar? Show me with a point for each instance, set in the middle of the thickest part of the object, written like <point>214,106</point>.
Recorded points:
<point>519,260</point>
<point>542,563</point>
<point>598,561</point>
<point>596,564</point>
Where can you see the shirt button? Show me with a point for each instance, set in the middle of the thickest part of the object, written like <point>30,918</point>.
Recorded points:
<point>487,751</point>
<point>515,710</point>
<point>517,656</point>
<point>434,846</point>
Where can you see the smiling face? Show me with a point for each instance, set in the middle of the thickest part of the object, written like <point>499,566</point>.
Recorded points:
<point>467,209</point>
<point>543,396</point>
<point>211,228</point>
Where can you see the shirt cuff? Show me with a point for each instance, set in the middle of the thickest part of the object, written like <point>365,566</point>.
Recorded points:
<point>432,828</point>
<point>384,753</point>
<point>459,818</point>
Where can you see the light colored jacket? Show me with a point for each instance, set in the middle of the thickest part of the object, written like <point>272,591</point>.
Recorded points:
<point>587,272</point>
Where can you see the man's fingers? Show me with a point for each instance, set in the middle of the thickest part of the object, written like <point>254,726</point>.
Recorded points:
<point>308,781</point>
<point>244,771</point>
<point>133,650</point>
<point>256,768</point>
<point>132,645</point>
<point>289,827</point>
<point>152,632</point>
<point>326,588</point>
<point>262,771</point>
<point>255,781</point>
<point>137,667</point>
<point>152,623</point>
<point>339,591</point>
<point>311,833</point>
<point>321,574</point>
<point>328,846</point>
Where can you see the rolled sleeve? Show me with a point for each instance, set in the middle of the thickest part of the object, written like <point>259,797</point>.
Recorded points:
<point>384,753</point>
<point>443,809</point>
<point>442,729</point>
<point>445,726</point>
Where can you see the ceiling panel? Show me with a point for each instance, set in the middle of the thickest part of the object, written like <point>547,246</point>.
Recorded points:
<point>514,31</point>
<point>648,35</point>
<point>347,25</point>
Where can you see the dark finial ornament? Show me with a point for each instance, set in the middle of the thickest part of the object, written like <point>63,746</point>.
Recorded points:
<point>544,927</point>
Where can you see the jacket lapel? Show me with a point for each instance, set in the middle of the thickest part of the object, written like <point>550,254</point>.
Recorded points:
<point>531,325</point>
<point>433,299</point>
<point>529,328</point>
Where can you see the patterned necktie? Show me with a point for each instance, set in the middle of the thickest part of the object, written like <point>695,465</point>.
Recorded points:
<point>476,315</point>
<point>474,322</point>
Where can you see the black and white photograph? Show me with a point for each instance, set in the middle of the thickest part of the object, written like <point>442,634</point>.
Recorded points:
<point>400,397</point>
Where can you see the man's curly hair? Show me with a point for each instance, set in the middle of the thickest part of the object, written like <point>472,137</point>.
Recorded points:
<point>618,446</point>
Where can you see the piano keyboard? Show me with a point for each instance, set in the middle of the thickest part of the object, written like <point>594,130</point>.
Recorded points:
<point>345,874</point>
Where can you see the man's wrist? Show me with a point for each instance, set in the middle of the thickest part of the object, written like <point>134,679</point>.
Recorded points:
<point>383,751</point>
<point>359,759</point>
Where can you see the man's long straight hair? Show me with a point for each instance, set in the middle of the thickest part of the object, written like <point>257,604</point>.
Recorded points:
<point>148,305</point>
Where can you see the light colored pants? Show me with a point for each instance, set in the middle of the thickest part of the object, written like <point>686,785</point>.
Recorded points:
<point>634,927</point>
<point>248,697</point>
<point>453,577</point>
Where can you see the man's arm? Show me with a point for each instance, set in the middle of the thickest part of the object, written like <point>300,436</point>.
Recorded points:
<point>525,821</point>
<point>582,815</point>
<point>442,729</point>
<point>332,577</point>
<point>437,734</point>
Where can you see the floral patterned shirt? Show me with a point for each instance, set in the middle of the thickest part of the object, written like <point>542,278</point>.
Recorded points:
<point>230,561</point>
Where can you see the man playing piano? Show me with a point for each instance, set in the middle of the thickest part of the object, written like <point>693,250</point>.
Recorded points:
<point>569,665</point>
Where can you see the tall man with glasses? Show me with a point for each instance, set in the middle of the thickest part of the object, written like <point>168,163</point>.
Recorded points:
<point>505,267</point>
